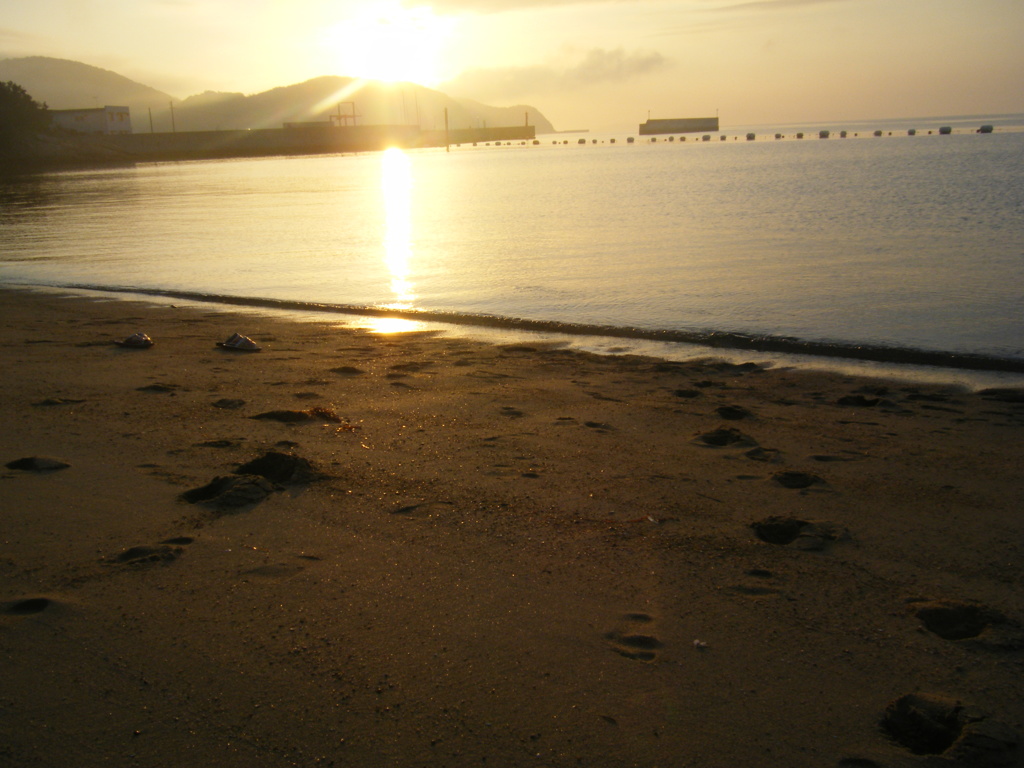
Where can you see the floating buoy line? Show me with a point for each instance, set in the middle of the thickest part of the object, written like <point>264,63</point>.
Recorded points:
<point>944,130</point>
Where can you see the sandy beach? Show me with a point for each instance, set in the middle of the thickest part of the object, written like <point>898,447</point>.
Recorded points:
<point>351,549</point>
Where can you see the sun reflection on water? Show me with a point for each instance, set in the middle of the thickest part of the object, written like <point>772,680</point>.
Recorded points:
<point>392,325</point>
<point>396,184</point>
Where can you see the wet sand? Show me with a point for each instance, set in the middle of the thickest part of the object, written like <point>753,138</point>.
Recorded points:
<point>354,549</point>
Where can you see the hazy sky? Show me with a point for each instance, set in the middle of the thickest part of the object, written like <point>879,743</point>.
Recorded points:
<point>583,63</point>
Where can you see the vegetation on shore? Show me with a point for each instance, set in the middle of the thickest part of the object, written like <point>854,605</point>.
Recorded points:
<point>22,118</point>
<point>20,113</point>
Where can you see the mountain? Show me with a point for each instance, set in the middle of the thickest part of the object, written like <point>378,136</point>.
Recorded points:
<point>63,84</point>
<point>375,103</point>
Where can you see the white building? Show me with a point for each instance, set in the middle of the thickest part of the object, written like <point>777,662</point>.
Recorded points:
<point>105,120</point>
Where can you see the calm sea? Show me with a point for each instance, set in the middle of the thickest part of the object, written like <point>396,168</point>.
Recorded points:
<point>898,248</point>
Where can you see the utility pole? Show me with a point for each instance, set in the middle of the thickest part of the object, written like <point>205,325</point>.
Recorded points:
<point>174,128</point>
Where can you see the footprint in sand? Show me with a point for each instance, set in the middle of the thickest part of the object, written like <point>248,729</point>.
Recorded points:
<point>807,535</point>
<point>768,455</point>
<point>830,457</point>
<point>164,552</point>
<point>935,724</point>
<point>411,367</point>
<point>275,571</point>
<point>219,443</point>
<point>859,401</point>
<point>425,509</point>
<point>480,374</point>
<point>760,588</point>
<point>796,480</point>
<point>281,468</point>
<point>721,438</point>
<point>229,403</point>
<point>58,401</point>
<point>631,637</point>
<point>976,623</point>
<point>686,394</point>
<point>159,388</point>
<point>37,464</point>
<point>225,492</point>
<point>28,606</point>
<point>254,481</point>
<point>747,590</point>
<point>502,470</point>
<point>928,397</point>
<point>607,398</point>
<point>733,412</point>
<point>300,417</point>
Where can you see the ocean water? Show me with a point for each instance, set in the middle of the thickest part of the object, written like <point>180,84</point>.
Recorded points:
<point>905,249</point>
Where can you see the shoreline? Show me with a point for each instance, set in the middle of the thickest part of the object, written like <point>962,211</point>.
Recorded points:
<point>516,554</point>
<point>976,371</point>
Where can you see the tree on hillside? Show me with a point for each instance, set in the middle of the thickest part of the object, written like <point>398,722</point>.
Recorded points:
<point>20,115</point>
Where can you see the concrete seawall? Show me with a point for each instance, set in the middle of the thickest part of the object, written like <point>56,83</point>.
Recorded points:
<point>482,135</point>
<point>202,145</point>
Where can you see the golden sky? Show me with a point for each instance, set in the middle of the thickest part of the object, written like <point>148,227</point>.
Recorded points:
<point>584,64</point>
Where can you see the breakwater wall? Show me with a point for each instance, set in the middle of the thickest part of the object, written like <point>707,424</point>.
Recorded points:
<point>204,145</point>
<point>482,135</point>
<point>305,140</point>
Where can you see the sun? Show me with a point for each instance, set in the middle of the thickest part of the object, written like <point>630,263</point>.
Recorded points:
<point>385,41</point>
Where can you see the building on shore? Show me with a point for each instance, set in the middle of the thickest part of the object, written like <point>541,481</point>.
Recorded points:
<point>108,121</point>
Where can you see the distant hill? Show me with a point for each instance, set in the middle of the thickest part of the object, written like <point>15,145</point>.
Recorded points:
<point>64,84</point>
<point>375,104</point>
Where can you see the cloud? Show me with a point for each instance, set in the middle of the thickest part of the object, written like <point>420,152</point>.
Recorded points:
<point>773,5</point>
<point>13,35</point>
<point>484,7</point>
<point>511,83</point>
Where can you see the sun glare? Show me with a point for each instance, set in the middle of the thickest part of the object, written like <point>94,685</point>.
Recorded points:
<point>385,41</point>
<point>396,184</point>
